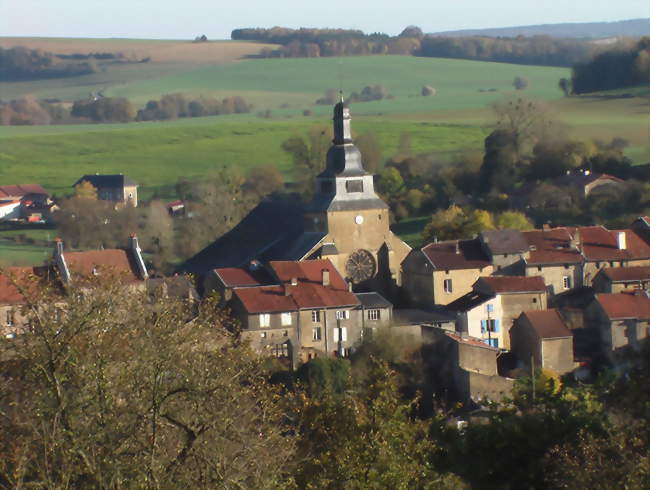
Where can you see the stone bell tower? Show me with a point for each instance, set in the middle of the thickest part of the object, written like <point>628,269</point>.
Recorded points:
<point>355,219</point>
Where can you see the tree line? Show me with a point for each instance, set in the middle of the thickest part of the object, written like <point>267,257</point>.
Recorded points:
<point>30,111</point>
<point>113,388</point>
<point>304,42</point>
<point>621,67</point>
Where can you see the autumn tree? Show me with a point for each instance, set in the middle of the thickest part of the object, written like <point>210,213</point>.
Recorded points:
<point>264,180</point>
<point>118,390</point>
<point>85,190</point>
<point>513,220</point>
<point>308,154</point>
<point>371,152</point>
<point>157,235</point>
<point>455,223</point>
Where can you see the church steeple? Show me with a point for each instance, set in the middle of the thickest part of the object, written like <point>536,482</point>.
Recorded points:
<point>343,158</point>
<point>342,132</point>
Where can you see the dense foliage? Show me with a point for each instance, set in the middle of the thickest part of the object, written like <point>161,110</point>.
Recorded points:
<point>613,69</point>
<point>21,63</point>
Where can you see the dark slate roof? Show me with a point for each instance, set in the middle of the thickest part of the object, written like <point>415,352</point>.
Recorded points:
<point>98,180</point>
<point>373,300</point>
<point>469,301</point>
<point>266,233</point>
<point>456,254</point>
<point>504,241</point>
<point>414,316</point>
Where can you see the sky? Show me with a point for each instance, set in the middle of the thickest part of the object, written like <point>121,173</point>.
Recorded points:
<point>164,19</point>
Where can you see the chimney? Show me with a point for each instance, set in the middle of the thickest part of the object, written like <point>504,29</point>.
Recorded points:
<point>546,226</point>
<point>326,277</point>
<point>294,281</point>
<point>575,240</point>
<point>621,241</point>
<point>59,247</point>
<point>134,247</point>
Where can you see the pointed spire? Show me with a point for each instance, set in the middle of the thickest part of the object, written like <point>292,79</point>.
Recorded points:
<point>342,131</point>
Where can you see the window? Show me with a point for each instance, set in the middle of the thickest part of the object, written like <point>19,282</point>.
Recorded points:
<point>539,268</point>
<point>285,333</point>
<point>315,316</point>
<point>374,314</point>
<point>340,334</point>
<point>280,350</point>
<point>492,342</point>
<point>447,286</point>
<point>10,318</point>
<point>354,185</point>
<point>566,282</point>
<point>342,314</point>
<point>285,318</point>
<point>265,320</point>
<point>316,333</point>
<point>534,300</point>
<point>566,266</point>
<point>490,325</point>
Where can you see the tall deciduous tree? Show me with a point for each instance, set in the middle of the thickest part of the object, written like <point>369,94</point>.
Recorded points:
<point>308,154</point>
<point>114,390</point>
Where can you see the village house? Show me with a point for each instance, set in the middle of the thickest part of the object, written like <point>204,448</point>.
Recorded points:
<point>601,247</point>
<point>554,255</point>
<point>619,279</point>
<point>81,269</point>
<point>506,249</point>
<point>376,312</point>
<point>118,189</point>
<point>440,273</point>
<point>587,182</point>
<point>28,202</point>
<point>488,311</point>
<point>622,321</point>
<point>12,301</point>
<point>542,337</point>
<point>465,368</point>
<point>309,312</point>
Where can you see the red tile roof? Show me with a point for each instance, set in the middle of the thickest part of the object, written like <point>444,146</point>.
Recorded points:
<point>23,276</point>
<point>600,244</point>
<point>625,305</point>
<point>308,271</point>
<point>551,247</point>
<point>547,323</point>
<point>308,293</point>
<point>470,340</point>
<point>232,277</point>
<point>513,284</point>
<point>7,191</point>
<point>443,255</point>
<point>113,261</point>
<point>623,274</point>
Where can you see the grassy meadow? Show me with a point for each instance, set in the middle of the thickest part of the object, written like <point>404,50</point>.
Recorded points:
<point>157,154</point>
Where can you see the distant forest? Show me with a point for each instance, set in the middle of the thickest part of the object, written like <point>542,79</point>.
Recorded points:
<point>582,30</point>
<point>304,42</point>
<point>618,68</point>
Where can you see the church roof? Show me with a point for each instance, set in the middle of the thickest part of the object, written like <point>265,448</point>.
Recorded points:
<point>266,233</point>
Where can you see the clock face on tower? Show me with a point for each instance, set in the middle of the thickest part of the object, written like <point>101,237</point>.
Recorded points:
<point>360,266</point>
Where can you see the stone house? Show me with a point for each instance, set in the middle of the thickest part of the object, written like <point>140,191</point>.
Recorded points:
<point>119,188</point>
<point>489,310</point>
<point>506,249</point>
<point>376,312</point>
<point>442,272</point>
<point>465,368</point>
<point>82,269</point>
<point>622,321</point>
<point>601,247</point>
<point>554,255</point>
<point>542,337</point>
<point>12,319</point>
<point>309,312</point>
<point>619,279</point>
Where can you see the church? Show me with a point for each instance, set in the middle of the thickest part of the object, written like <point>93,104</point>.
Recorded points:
<point>346,222</point>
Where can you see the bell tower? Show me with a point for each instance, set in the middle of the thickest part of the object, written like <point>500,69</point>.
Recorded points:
<point>354,218</point>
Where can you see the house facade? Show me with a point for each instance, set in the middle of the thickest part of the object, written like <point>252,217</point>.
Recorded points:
<point>118,189</point>
<point>542,337</point>
<point>619,279</point>
<point>440,273</point>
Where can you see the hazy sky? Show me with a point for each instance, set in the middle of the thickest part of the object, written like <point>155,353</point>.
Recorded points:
<point>215,18</point>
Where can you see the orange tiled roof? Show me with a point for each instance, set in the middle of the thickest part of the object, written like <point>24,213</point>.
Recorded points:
<point>625,305</point>
<point>547,323</point>
<point>551,247</point>
<point>115,261</point>
<point>443,255</point>
<point>20,190</point>
<point>514,284</point>
<point>617,274</point>
<point>600,244</point>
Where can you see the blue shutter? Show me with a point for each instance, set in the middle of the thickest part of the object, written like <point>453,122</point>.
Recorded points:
<point>497,325</point>
<point>494,342</point>
<point>483,326</point>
